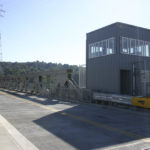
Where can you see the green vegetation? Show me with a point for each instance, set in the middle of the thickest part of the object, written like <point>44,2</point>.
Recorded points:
<point>8,68</point>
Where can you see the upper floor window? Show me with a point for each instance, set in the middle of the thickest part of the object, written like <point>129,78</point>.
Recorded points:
<point>135,47</point>
<point>102,48</point>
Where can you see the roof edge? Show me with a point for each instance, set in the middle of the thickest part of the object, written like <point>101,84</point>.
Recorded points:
<point>118,23</point>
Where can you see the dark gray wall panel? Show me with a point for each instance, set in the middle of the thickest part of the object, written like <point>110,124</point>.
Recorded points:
<point>103,73</point>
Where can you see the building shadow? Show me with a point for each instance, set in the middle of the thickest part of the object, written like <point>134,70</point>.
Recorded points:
<point>73,125</point>
<point>82,135</point>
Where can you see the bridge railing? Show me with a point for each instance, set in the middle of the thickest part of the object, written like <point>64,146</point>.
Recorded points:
<point>53,84</point>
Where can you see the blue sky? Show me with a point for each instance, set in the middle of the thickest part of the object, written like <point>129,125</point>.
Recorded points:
<point>55,30</point>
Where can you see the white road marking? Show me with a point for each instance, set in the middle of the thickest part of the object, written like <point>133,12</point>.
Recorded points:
<point>17,136</point>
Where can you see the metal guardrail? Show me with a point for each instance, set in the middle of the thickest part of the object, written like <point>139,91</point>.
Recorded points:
<point>112,98</point>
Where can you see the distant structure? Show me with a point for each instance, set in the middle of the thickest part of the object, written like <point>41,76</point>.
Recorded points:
<point>82,76</point>
<point>1,15</point>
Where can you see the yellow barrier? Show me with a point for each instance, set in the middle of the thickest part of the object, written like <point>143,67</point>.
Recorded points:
<point>141,102</point>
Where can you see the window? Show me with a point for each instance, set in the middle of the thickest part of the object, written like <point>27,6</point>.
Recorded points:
<point>96,50</point>
<point>135,47</point>
<point>140,48</point>
<point>132,46</point>
<point>104,47</point>
<point>101,48</point>
<point>125,45</point>
<point>146,49</point>
<point>92,51</point>
<point>111,46</point>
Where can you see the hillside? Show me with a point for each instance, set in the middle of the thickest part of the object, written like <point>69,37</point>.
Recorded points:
<point>9,68</point>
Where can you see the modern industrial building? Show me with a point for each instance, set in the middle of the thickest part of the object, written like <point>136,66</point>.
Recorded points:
<point>117,59</point>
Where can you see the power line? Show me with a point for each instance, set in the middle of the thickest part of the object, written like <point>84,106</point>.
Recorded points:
<point>1,15</point>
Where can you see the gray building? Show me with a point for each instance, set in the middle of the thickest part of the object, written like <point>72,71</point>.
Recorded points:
<point>113,56</point>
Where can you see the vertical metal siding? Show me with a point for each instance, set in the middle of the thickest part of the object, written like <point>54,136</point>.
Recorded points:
<point>103,73</point>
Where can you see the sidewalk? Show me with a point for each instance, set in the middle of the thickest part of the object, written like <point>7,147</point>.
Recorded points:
<point>7,142</point>
<point>12,139</point>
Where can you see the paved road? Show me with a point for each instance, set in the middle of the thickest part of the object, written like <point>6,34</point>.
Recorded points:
<point>57,125</point>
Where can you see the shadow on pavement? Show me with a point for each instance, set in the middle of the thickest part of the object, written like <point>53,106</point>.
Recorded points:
<point>37,99</point>
<point>83,135</point>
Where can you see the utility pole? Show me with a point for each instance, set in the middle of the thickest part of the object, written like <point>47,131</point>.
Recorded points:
<point>1,15</point>
<point>1,54</point>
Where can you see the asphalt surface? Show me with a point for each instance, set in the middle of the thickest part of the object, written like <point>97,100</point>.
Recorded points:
<point>59,125</point>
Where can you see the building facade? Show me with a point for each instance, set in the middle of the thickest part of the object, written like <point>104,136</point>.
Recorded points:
<point>112,53</point>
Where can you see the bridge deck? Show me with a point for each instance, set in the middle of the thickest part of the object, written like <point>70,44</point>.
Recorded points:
<point>52,124</point>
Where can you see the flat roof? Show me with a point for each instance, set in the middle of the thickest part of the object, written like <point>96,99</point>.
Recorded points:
<point>119,23</point>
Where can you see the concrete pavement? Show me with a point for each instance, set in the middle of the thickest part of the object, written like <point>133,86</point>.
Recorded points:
<point>51,124</point>
<point>12,139</point>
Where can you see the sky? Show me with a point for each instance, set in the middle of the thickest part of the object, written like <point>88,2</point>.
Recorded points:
<point>55,30</point>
